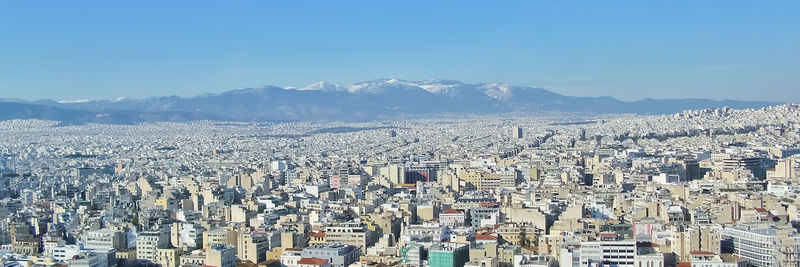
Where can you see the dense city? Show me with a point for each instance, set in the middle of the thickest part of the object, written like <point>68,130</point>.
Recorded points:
<point>713,187</point>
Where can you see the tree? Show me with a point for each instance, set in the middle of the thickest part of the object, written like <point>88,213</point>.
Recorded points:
<point>523,238</point>
<point>135,220</point>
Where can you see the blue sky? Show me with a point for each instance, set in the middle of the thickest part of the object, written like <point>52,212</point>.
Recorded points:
<point>746,50</point>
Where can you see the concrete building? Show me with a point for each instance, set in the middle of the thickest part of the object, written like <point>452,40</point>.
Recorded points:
<point>105,238</point>
<point>762,246</point>
<point>608,253</point>
<point>217,236</point>
<point>253,247</point>
<point>453,218</point>
<point>448,255</point>
<point>169,257</point>
<point>516,132</point>
<point>148,243</point>
<point>502,253</point>
<point>338,255</point>
<point>708,259</point>
<point>88,259</point>
<point>695,238</point>
<point>291,257</point>
<point>221,256</point>
<point>352,233</point>
<point>313,262</point>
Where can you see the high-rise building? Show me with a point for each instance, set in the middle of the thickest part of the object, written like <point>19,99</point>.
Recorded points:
<point>516,132</point>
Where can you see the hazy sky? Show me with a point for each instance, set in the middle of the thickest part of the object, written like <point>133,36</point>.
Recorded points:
<point>747,50</point>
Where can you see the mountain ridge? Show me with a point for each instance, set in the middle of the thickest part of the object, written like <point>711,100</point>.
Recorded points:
<point>369,100</point>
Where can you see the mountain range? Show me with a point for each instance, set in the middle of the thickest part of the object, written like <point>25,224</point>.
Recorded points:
<point>369,100</point>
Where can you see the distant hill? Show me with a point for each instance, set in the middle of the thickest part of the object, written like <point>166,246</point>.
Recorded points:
<point>376,99</point>
<point>11,110</point>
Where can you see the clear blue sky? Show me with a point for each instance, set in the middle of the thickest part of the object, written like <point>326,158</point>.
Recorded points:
<point>747,50</point>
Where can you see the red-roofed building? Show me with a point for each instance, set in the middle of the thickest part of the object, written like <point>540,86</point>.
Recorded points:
<point>451,211</point>
<point>317,238</point>
<point>313,262</point>
<point>484,239</point>
<point>453,218</point>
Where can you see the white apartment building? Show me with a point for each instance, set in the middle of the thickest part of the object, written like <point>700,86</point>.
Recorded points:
<point>762,246</point>
<point>608,253</point>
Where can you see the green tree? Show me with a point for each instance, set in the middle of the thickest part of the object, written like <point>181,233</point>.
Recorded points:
<point>523,239</point>
<point>135,220</point>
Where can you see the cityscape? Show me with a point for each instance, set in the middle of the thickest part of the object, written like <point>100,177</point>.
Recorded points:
<point>713,186</point>
<point>506,134</point>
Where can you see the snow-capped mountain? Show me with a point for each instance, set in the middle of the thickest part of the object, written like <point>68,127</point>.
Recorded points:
<point>375,99</point>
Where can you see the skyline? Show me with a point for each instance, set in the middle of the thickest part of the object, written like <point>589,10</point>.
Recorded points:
<point>67,51</point>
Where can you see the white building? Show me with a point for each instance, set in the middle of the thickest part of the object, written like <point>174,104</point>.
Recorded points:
<point>608,253</point>
<point>762,246</point>
<point>147,244</point>
<point>105,238</point>
<point>708,259</point>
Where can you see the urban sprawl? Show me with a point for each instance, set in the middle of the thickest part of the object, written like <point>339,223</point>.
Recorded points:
<point>713,187</point>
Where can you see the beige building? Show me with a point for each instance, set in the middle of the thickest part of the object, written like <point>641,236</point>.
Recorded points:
<point>427,212</point>
<point>531,216</point>
<point>26,246</point>
<point>503,254</point>
<point>252,247</point>
<point>169,257</point>
<point>695,238</point>
<point>221,256</point>
<point>217,236</point>
<point>354,234</point>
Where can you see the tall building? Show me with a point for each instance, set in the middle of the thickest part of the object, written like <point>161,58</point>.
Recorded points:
<point>448,255</point>
<point>695,238</point>
<point>420,173</point>
<point>516,132</point>
<point>148,243</point>
<point>253,247</point>
<point>784,170</point>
